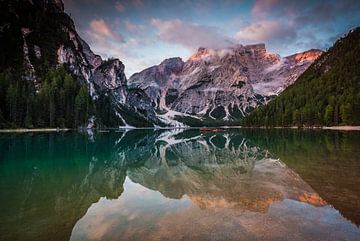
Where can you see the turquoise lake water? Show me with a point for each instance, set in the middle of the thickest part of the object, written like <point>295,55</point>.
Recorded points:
<point>239,184</point>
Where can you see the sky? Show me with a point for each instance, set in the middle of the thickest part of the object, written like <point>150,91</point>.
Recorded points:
<point>142,33</point>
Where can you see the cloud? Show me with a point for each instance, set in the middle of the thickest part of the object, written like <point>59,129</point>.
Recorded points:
<point>109,49</point>
<point>299,24</point>
<point>138,3</point>
<point>327,13</point>
<point>133,28</point>
<point>266,31</point>
<point>108,44</point>
<point>309,10</point>
<point>262,6</point>
<point>105,41</point>
<point>190,35</point>
<point>100,30</point>
<point>122,28</point>
<point>119,7</point>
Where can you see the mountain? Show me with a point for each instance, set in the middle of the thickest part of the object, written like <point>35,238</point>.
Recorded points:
<point>327,93</point>
<point>40,48</point>
<point>50,77</point>
<point>219,86</point>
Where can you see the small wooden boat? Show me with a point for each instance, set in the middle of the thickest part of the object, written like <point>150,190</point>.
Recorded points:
<point>210,130</point>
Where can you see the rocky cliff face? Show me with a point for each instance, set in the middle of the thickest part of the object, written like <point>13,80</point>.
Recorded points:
<point>219,84</point>
<point>333,76</point>
<point>214,86</point>
<point>60,46</point>
<point>29,51</point>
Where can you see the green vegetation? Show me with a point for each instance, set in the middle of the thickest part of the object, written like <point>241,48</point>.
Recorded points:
<point>60,101</point>
<point>328,93</point>
<point>56,98</point>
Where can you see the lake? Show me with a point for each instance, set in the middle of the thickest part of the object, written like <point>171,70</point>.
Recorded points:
<point>239,184</point>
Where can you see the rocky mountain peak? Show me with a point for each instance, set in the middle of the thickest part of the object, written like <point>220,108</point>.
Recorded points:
<point>259,51</point>
<point>259,48</point>
<point>309,55</point>
<point>109,75</point>
<point>40,44</point>
<point>200,54</point>
<point>213,84</point>
<point>171,65</point>
<point>238,50</point>
<point>220,84</point>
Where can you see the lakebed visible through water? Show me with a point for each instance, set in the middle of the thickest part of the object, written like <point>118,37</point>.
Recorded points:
<point>239,184</point>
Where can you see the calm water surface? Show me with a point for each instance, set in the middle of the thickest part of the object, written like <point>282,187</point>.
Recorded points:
<point>180,185</point>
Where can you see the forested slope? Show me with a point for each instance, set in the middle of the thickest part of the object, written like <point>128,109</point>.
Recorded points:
<point>35,90</point>
<point>50,77</point>
<point>327,93</point>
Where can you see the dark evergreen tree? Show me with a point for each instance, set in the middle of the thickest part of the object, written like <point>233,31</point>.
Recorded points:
<point>82,106</point>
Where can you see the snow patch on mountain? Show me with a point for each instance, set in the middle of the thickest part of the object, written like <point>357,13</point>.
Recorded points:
<point>219,84</point>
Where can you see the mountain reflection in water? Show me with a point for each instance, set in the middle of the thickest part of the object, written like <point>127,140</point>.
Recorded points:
<point>175,185</point>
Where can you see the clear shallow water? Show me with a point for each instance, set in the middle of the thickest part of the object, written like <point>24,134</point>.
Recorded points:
<point>180,185</point>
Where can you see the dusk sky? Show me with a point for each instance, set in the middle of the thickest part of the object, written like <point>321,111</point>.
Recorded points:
<point>142,33</point>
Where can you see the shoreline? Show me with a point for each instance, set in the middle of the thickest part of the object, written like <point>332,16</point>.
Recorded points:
<point>342,128</point>
<point>338,128</point>
<point>335,128</point>
<point>23,130</point>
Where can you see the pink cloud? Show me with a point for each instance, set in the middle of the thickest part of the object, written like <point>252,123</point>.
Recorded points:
<point>119,7</point>
<point>109,44</point>
<point>265,31</point>
<point>190,35</point>
<point>261,6</point>
<point>101,30</point>
<point>138,3</point>
<point>133,28</point>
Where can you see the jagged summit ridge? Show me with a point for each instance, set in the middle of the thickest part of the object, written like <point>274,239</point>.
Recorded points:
<point>213,85</point>
<point>30,52</point>
<point>220,84</point>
